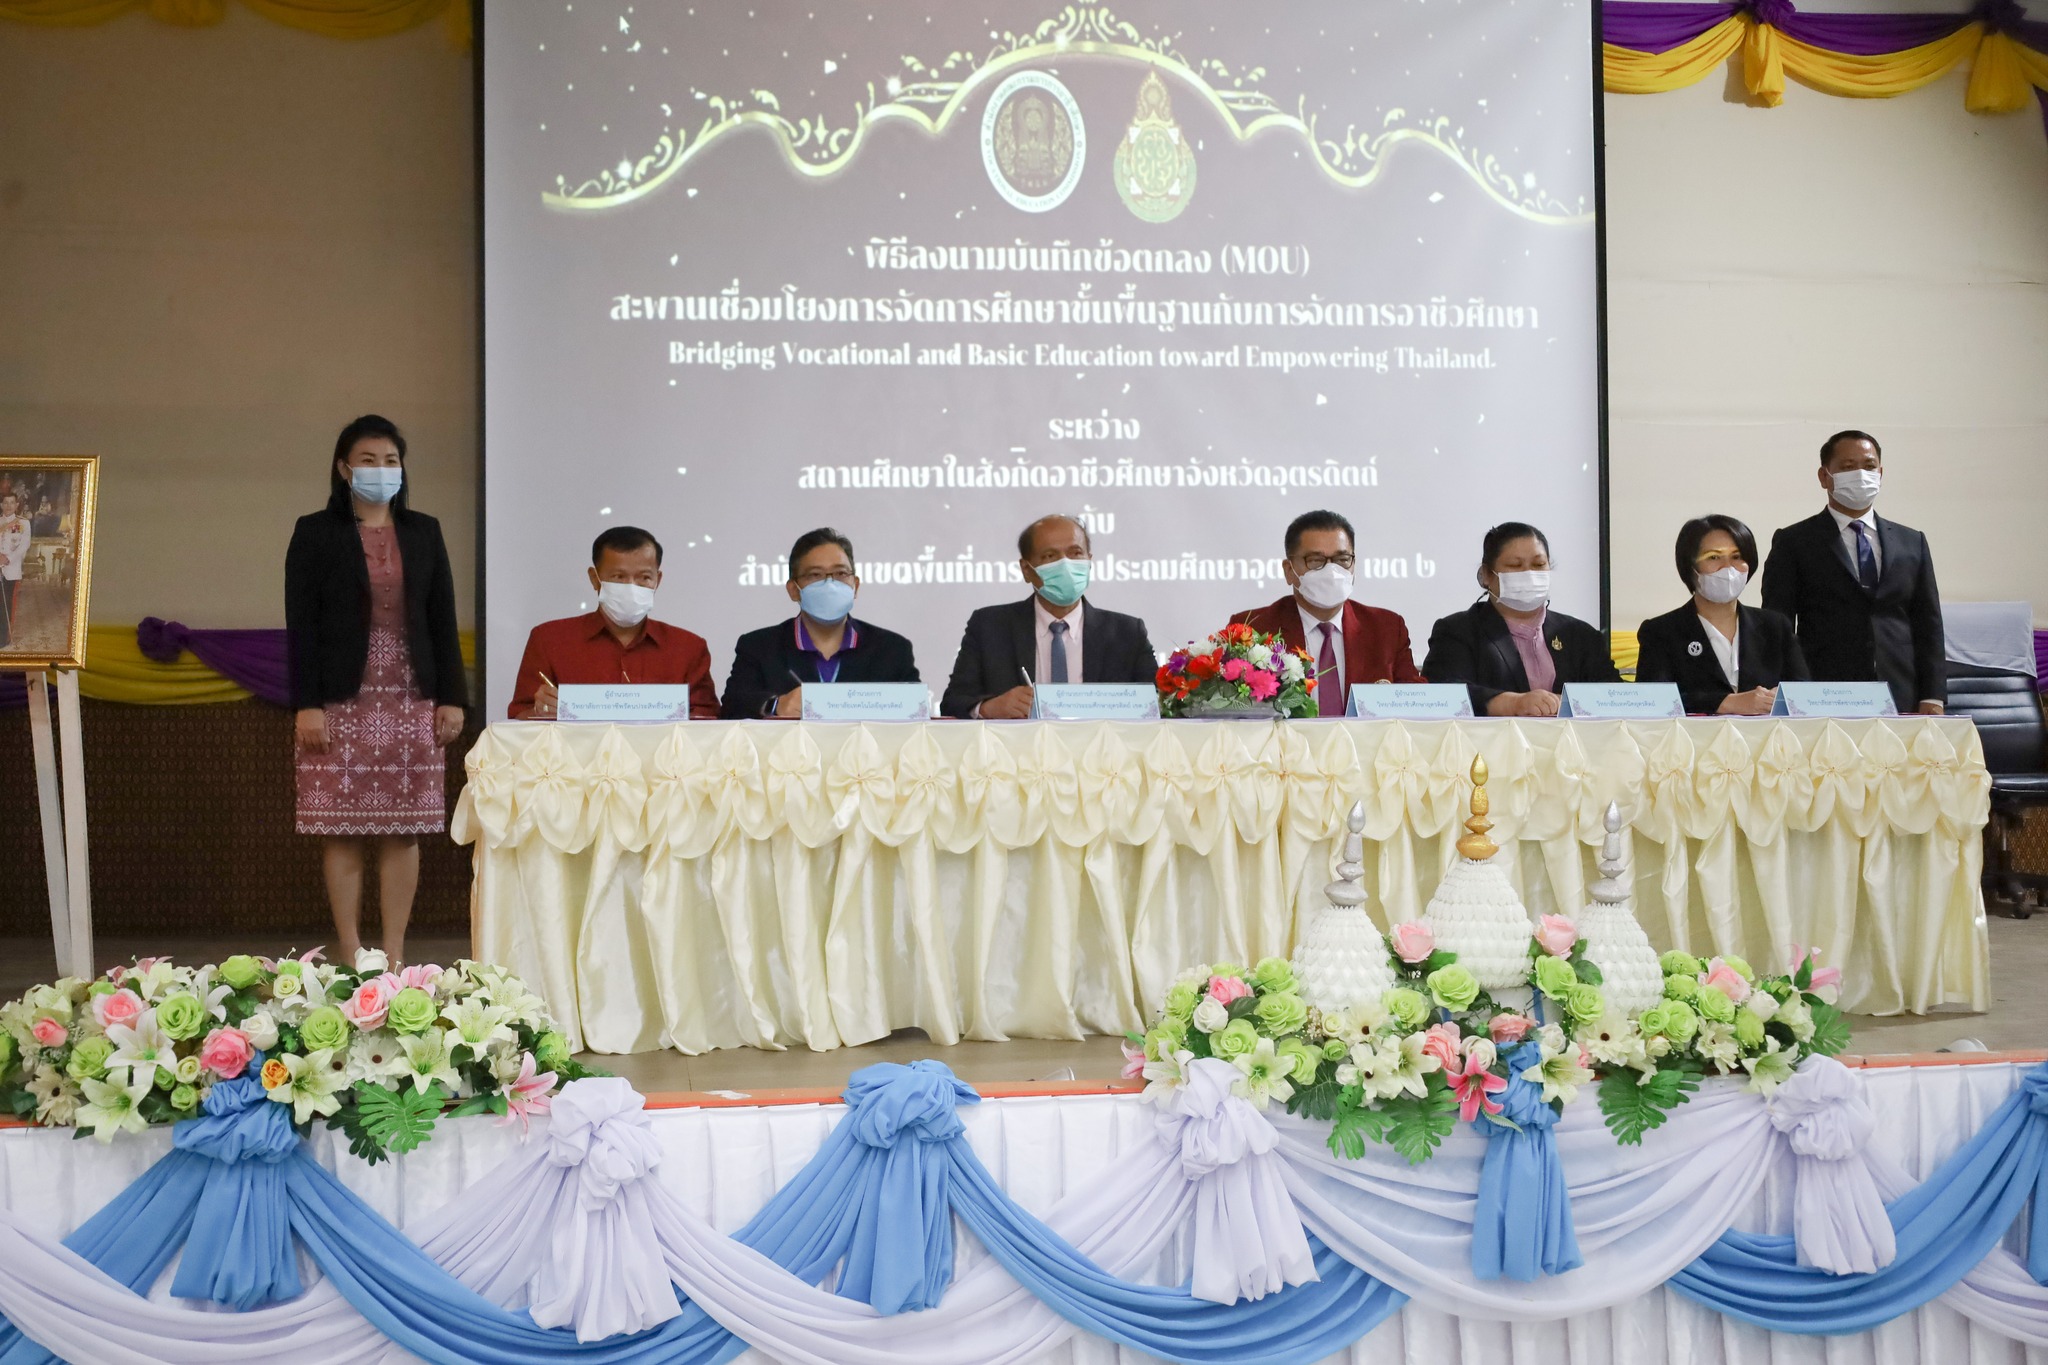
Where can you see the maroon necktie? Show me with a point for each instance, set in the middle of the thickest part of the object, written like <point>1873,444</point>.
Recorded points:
<point>1329,696</point>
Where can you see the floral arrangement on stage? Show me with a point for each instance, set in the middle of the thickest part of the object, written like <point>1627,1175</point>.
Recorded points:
<point>379,1054</point>
<point>1237,671</point>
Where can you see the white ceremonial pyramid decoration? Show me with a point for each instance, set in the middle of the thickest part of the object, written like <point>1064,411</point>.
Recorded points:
<point>1630,975</point>
<point>1475,912</point>
<point>1342,963</point>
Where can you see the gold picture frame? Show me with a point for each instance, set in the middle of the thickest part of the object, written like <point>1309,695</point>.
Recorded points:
<point>46,538</point>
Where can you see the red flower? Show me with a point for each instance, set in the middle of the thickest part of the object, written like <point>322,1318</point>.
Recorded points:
<point>1203,666</point>
<point>1166,680</point>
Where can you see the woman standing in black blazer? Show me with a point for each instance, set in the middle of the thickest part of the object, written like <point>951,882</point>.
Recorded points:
<point>1726,659</point>
<point>376,667</point>
<point>1510,648</point>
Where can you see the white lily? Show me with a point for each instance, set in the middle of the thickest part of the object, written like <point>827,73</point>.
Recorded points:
<point>1265,1075</point>
<point>313,1081</point>
<point>140,1050</point>
<point>110,1109</point>
<point>427,1060</point>
<point>480,1024</point>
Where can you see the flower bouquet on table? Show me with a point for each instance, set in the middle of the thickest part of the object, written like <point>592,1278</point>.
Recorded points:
<point>1253,1019</point>
<point>379,1054</point>
<point>1237,672</point>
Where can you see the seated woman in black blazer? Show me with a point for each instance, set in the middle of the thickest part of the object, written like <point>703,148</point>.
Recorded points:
<point>1510,648</point>
<point>1726,659</point>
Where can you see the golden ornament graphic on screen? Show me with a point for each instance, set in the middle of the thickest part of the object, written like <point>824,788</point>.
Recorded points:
<point>1154,165</point>
<point>1032,143</point>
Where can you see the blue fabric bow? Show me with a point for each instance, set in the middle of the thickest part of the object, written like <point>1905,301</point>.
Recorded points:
<point>1522,1226</point>
<point>239,1249</point>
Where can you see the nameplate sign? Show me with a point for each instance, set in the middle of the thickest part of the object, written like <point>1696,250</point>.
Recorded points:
<point>623,703</point>
<point>1845,700</point>
<point>1409,701</point>
<point>1622,701</point>
<point>1095,701</point>
<point>867,701</point>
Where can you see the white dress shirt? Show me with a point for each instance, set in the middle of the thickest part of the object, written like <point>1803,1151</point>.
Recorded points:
<point>1042,622</point>
<point>14,542</point>
<point>1312,639</point>
<point>1727,650</point>
<point>1869,520</point>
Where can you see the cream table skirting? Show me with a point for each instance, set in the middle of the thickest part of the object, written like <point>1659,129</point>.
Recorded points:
<point>770,884</point>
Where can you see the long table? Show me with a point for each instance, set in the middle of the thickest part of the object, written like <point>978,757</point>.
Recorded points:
<point>771,884</point>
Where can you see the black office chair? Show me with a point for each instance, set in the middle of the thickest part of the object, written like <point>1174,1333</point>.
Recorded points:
<point>2007,709</point>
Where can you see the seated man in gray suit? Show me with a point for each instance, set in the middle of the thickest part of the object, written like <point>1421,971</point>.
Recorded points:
<point>1052,636</point>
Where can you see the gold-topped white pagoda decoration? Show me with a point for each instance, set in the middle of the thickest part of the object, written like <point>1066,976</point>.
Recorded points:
<point>1475,912</point>
<point>1615,943</point>
<point>1342,963</point>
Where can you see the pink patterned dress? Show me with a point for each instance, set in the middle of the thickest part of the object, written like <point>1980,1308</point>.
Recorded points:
<point>382,772</point>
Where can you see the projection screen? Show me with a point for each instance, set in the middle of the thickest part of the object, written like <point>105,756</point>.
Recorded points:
<point>926,272</point>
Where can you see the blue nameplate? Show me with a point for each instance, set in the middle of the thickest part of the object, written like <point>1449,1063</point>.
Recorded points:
<point>867,701</point>
<point>1095,701</point>
<point>1622,701</point>
<point>1846,700</point>
<point>1409,701</point>
<point>623,703</point>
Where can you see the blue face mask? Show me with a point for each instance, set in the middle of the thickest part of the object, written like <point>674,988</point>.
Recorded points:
<point>1063,581</point>
<point>826,601</point>
<point>376,483</point>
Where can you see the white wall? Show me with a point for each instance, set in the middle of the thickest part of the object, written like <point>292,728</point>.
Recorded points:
<point>217,245</point>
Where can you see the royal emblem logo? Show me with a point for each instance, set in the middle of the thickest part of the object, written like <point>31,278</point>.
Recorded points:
<point>1154,166</point>
<point>1032,141</point>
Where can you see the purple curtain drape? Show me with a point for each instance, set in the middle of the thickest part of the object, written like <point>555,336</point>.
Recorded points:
<point>255,659</point>
<point>1647,26</point>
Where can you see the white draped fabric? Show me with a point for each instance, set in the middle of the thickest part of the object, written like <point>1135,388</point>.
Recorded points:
<point>793,884</point>
<point>1119,1180</point>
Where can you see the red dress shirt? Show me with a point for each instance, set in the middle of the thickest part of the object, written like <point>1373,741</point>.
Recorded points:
<point>581,649</point>
<point>1376,645</point>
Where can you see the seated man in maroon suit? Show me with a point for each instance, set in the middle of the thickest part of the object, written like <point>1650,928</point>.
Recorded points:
<point>1349,642</point>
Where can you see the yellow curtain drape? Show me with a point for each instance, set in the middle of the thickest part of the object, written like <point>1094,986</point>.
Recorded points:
<point>1629,72</point>
<point>116,669</point>
<point>329,18</point>
<point>1621,644</point>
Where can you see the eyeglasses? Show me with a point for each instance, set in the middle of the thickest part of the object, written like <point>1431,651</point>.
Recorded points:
<point>1311,563</point>
<point>810,576</point>
<point>1716,560</point>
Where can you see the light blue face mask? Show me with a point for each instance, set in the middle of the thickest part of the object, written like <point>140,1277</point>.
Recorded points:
<point>826,601</point>
<point>376,483</point>
<point>1063,581</point>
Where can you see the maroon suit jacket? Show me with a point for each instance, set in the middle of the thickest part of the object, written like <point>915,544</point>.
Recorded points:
<point>1375,641</point>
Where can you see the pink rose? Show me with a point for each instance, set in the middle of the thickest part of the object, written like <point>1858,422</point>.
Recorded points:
<point>120,1007</point>
<point>367,1005</point>
<point>1445,1043</point>
<point>226,1052</point>
<point>1727,980</point>
<point>50,1033</point>
<point>1263,684</point>
<point>1413,941</point>
<point>423,976</point>
<point>1224,989</point>
<point>1509,1028</point>
<point>1557,934</point>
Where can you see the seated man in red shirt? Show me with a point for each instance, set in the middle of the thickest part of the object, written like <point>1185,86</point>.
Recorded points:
<point>1350,643</point>
<point>618,642</point>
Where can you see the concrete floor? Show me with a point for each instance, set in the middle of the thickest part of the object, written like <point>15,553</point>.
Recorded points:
<point>2018,1019</point>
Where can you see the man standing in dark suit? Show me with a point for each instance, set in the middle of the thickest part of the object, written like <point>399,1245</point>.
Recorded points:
<point>1860,588</point>
<point>1350,642</point>
<point>824,644</point>
<point>1052,636</point>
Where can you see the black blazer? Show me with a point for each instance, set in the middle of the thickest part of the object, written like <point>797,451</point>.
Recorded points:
<point>1849,635</point>
<point>327,609</point>
<point>1675,649</point>
<point>1473,647</point>
<point>763,660</point>
<point>1000,649</point>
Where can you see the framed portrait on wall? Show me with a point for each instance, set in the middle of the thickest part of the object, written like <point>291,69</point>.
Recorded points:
<point>47,504</point>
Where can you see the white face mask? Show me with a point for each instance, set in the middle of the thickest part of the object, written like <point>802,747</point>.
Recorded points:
<point>1524,591</point>
<point>1724,585</point>
<point>1326,587</point>
<point>625,604</point>
<point>1856,489</point>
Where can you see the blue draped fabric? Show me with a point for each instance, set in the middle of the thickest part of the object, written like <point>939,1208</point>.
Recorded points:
<point>239,1250</point>
<point>1945,1227</point>
<point>1522,1228</point>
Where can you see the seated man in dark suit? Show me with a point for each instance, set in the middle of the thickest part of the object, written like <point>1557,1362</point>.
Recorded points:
<point>1859,588</point>
<point>1350,642</point>
<point>617,643</point>
<point>824,644</point>
<point>1053,635</point>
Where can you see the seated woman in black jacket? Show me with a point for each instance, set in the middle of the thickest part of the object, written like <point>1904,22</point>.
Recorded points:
<point>1726,659</point>
<point>1509,648</point>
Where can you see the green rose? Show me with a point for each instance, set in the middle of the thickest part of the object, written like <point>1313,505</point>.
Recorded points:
<point>1165,1038</point>
<point>1336,1049</point>
<point>1681,1023</point>
<point>1303,1061</point>
<point>1182,999</point>
<point>1655,1020</point>
<point>1681,988</point>
<point>184,1097</point>
<point>1715,1006</point>
<point>89,1058</point>
<point>1584,1003</point>
<point>1224,969</point>
<point>1555,976</point>
<point>241,971</point>
<point>1273,974</point>
<point>412,1011</point>
<point>1406,1007</point>
<point>181,1016</point>
<point>100,987</point>
<point>1235,1039</point>
<point>1676,963</point>
<point>550,1050</point>
<point>1281,1014</point>
<point>1453,987</point>
<point>1740,968</point>
<point>1749,1031</point>
<point>326,1029</point>
<point>188,1070</point>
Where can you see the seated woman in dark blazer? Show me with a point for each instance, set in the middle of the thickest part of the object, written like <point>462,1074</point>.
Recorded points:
<point>1726,659</point>
<point>1510,648</point>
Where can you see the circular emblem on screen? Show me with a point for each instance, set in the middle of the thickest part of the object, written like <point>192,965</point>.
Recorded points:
<point>1032,142</point>
<point>1154,166</point>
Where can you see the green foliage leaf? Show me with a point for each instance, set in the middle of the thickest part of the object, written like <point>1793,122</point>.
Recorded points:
<point>1318,1101</point>
<point>381,1120</point>
<point>1830,1029</point>
<point>1243,1006</point>
<point>1416,1127</point>
<point>1634,1106</point>
<point>573,1070</point>
<point>1588,972</point>
<point>1437,961</point>
<point>1355,1126</point>
<point>1803,978</point>
<point>479,1104</point>
<point>20,1102</point>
